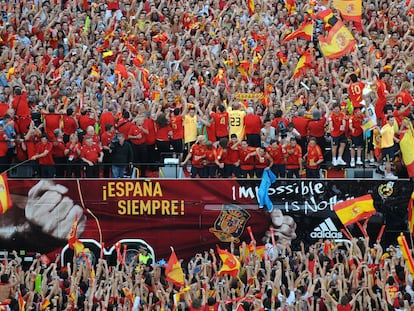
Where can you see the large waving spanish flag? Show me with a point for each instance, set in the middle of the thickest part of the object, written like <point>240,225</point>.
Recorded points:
<point>231,265</point>
<point>351,10</point>
<point>305,61</point>
<point>338,43</point>
<point>354,210</point>
<point>304,31</point>
<point>174,273</point>
<point>5,199</point>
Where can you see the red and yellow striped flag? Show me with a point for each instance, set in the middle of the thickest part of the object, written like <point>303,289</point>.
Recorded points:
<point>5,199</point>
<point>174,273</point>
<point>304,31</point>
<point>73,241</point>
<point>250,7</point>
<point>305,61</point>
<point>290,5</point>
<point>411,214</point>
<point>338,43</point>
<point>354,210</point>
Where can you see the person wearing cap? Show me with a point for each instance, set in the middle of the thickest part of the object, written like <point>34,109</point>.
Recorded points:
<point>44,157</point>
<point>293,159</point>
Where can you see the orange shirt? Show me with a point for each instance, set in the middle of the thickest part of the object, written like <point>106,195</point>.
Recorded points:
<point>292,160</point>
<point>314,155</point>
<point>337,120</point>
<point>197,152</point>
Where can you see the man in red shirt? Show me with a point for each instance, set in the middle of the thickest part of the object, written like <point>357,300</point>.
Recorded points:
<point>252,126</point>
<point>107,117</point>
<point>247,157</point>
<point>45,158</point>
<point>197,155</point>
<point>232,158</point>
<point>404,97</point>
<point>316,128</point>
<point>51,122</point>
<point>337,124</point>
<point>92,155</point>
<point>70,125</point>
<point>20,104</point>
<point>382,94</point>
<point>357,136</point>
<point>86,118</point>
<point>278,154</point>
<point>221,119</point>
<point>314,158</point>
<point>137,136</point>
<point>58,153</point>
<point>149,125</point>
<point>293,159</point>
<point>301,125</point>
<point>176,121</point>
<point>355,90</point>
<point>106,139</point>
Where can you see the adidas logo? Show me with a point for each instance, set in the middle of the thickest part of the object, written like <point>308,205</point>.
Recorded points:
<point>326,230</point>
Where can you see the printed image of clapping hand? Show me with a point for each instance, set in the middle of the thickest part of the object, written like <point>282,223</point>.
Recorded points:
<point>283,229</point>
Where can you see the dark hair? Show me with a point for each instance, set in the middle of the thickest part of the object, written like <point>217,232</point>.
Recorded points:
<point>69,111</point>
<point>353,77</point>
<point>108,126</point>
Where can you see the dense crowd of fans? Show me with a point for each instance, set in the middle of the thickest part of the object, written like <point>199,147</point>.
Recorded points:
<point>326,276</point>
<point>162,72</point>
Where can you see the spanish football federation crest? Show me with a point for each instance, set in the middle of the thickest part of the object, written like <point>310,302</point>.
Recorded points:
<point>230,223</point>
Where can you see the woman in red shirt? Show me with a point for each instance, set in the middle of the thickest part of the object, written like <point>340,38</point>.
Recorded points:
<point>72,152</point>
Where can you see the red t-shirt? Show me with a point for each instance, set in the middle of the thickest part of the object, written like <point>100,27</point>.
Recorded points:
<point>211,156</point>
<point>58,149</point>
<point>246,164</point>
<point>314,155</point>
<point>163,133</point>
<point>232,155</point>
<point>292,160</point>
<point>301,125</point>
<point>72,148</point>
<point>52,121</point>
<point>20,105</point>
<point>197,152</point>
<point>277,154</point>
<point>3,144</point>
<point>149,125</point>
<point>123,126</point>
<point>337,120</point>
<point>95,139</point>
<point>403,98</point>
<point>85,121</point>
<point>355,93</point>
<point>69,125</point>
<point>252,124</point>
<point>106,118</point>
<point>262,162</point>
<point>135,131</point>
<point>316,128</point>
<point>48,158</point>
<point>221,119</point>
<point>356,122</point>
<point>177,127</point>
<point>91,153</point>
<point>106,138</point>
<point>3,109</point>
<point>382,99</point>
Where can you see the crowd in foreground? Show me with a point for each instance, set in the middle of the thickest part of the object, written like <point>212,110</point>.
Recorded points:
<point>325,276</point>
<point>159,73</point>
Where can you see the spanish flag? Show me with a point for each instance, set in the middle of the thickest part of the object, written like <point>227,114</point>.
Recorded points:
<point>174,273</point>
<point>290,5</point>
<point>121,70</point>
<point>351,10</point>
<point>354,210</point>
<point>231,265</point>
<point>304,31</point>
<point>327,16</point>
<point>406,146</point>
<point>73,241</point>
<point>250,7</point>
<point>305,61</point>
<point>338,43</point>
<point>410,214</point>
<point>5,199</point>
